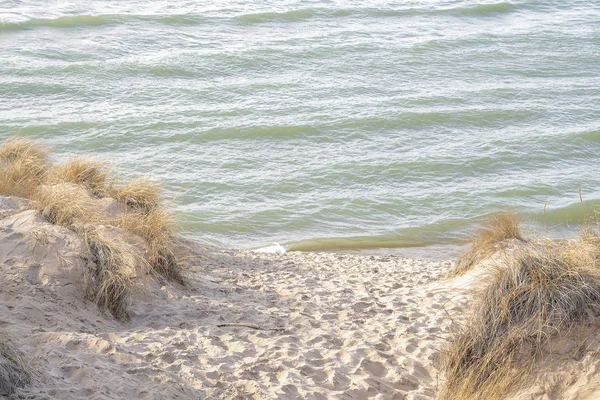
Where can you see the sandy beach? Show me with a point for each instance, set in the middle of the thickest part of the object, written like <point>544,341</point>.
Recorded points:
<point>300,200</point>
<point>250,325</point>
<point>246,326</point>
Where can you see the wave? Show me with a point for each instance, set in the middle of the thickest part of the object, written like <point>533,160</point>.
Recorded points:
<point>373,242</point>
<point>484,9</point>
<point>305,13</point>
<point>477,10</point>
<point>67,21</point>
<point>575,213</point>
<point>82,21</point>
<point>354,243</point>
<point>275,248</point>
<point>561,222</point>
<point>443,232</point>
<point>593,135</point>
<point>74,21</point>
<point>293,15</point>
<point>408,120</point>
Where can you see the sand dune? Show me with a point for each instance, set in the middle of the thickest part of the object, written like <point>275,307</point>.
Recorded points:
<point>249,325</point>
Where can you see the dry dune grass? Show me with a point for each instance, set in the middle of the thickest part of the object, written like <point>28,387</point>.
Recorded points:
<point>14,371</point>
<point>111,282</point>
<point>64,194</point>
<point>538,294</point>
<point>157,228</point>
<point>17,148</point>
<point>64,204</point>
<point>488,239</point>
<point>140,194</point>
<point>23,166</point>
<point>92,175</point>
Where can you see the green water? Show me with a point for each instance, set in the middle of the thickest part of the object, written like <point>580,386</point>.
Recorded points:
<point>320,125</point>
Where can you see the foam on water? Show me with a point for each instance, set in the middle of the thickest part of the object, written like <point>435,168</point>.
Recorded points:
<point>275,248</point>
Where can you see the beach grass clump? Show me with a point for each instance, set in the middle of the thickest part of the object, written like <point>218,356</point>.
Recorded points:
<point>23,166</point>
<point>66,195</point>
<point>92,175</point>
<point>111,280</point>
<point>537,294</point>
<point>157,227</point>
<point>140,194</point>
<point>17,148</point>
<point>15,372</point>
<point>491,237</point>
<point>64,204</point>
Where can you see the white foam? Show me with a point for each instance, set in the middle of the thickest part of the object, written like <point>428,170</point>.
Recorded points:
<point>275,248</point>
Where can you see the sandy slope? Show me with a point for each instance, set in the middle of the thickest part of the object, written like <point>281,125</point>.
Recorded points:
<point>264,326</point>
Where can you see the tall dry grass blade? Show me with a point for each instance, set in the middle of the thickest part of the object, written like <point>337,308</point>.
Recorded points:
<point>488,239</point>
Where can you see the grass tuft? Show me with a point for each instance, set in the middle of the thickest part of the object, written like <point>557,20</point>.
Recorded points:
<point>111,281</point>
<point>64,195</point>
<point>488,239</point>
<point>539,293</point>
<point>64,204</point>
<point>164,262</point>
<point>92,175</point>
<point>14,371</point>
<point>140,194</point>
<point>23,166</point>
<point>17,148</point>
<point>157,228</point>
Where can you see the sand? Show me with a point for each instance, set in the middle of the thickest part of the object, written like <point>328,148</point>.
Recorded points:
<point>250,325</point>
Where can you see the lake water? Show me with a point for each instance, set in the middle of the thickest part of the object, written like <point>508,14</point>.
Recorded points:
<point>320,124</point>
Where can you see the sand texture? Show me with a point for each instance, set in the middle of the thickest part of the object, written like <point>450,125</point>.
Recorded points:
<point>250,325</point>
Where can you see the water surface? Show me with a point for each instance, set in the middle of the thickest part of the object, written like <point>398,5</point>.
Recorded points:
<point>320,125</point>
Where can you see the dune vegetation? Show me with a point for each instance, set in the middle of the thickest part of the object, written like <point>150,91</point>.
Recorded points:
<point>67,194</point>
<point>534,296</point>
<point>492,236</point>
<point>23,167</point>
<point>14,370</point>
<point>92,175</point>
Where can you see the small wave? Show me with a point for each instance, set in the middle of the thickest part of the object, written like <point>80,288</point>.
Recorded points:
<point>292,15</point>
<point>593,136</point>
<point>305,13</point>
<point>480,9</point>
<point>78,21</point>
<point>275,248</point>
<point>67,21</point>
<point>352,243</point>
<point>73,21</point>
<point>408,239</point>
<point>297,15</point>
<point>575,213</point>
<point>483,9</point>
<point>180,19</point>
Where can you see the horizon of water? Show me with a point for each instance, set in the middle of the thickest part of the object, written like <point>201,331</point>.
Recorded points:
<point>329,125</point>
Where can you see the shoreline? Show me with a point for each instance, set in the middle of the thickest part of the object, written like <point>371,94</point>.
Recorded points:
<point>246,325</point>
<point>101,296</point>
